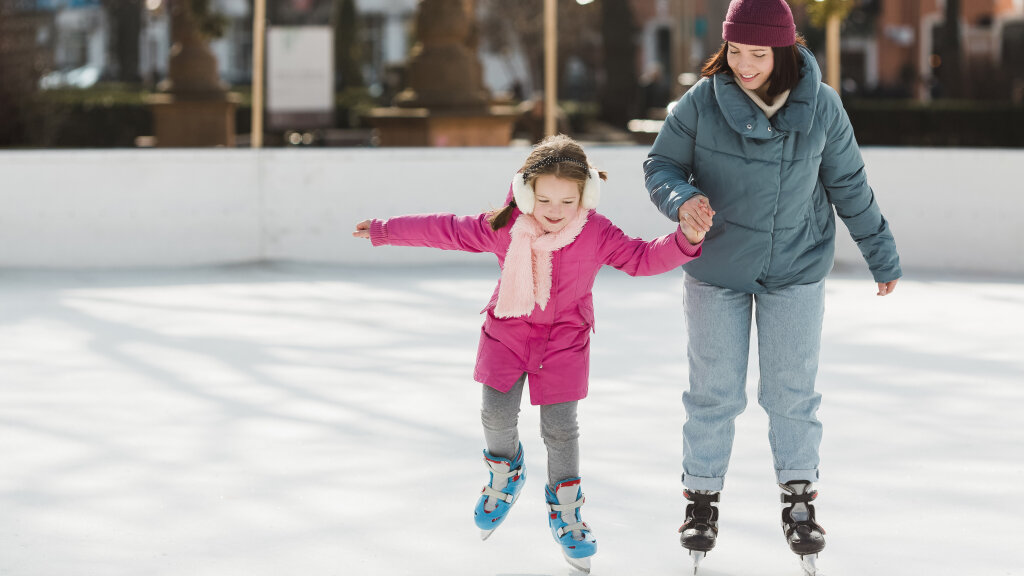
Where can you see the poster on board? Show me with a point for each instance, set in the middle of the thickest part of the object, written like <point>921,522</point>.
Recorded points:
<point>300,77</point>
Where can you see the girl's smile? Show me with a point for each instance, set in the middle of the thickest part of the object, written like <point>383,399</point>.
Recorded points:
<point>557,201</point>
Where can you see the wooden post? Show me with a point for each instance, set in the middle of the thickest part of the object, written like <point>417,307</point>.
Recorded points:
<point>259,29</point>
<point>550,67</point>
<point>832,51</point>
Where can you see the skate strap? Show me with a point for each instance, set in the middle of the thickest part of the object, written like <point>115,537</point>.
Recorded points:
<point>577,527</point>
<point>787,498</point>
<point>699,498</point>
<point>498,495</point>
<point>500,477</point>
<point>502,474</point>
<point>564,510</point>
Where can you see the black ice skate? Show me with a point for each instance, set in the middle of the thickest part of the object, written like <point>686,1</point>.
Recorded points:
<point>804,535</point>
<point>699,531</point>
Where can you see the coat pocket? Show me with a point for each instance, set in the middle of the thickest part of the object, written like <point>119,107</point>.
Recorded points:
<point>586,311</point>
<point>811,221</point>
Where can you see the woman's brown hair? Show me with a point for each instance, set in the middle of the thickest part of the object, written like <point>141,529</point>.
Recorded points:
<point>785,73</point>
<point>558,146</point>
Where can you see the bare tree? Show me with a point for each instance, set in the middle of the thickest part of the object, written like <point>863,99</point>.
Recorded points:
<point>950,70</point>
<point>601,36</point>
<point>347,56</point>
<point>21,64</point>
<point>126,16</point>
<point>620,88</point>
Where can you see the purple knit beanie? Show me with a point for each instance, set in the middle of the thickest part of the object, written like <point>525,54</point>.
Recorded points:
<point>759,23</point>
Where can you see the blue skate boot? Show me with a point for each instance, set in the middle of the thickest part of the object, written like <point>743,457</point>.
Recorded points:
<point>497,498</point>
<point>575,537</point>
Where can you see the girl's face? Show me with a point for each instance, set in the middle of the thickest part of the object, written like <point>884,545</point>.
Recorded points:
<point>752,65</point>
<point>557,201</point>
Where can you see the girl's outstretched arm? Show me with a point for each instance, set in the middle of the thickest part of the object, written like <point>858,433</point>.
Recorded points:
<point>444,231</point>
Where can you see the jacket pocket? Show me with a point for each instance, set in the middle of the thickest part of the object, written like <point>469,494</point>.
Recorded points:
<point>493,302</point>
<point>586,311</point>
<point>811,218</point>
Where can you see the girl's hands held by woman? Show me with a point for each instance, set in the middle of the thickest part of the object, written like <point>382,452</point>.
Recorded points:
<point>695,216</point>
<point>362,230</point>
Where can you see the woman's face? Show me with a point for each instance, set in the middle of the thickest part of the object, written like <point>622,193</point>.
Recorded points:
<point>751,65</point>
<point>557,201</point>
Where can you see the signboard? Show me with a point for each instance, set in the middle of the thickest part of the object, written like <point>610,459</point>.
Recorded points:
<point>300,77</point>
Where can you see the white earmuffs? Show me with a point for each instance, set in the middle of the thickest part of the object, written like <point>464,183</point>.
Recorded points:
<point>525,199</point>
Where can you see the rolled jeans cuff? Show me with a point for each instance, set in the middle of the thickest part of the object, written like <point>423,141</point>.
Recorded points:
<point>791,475</point>
<point>701,483</point>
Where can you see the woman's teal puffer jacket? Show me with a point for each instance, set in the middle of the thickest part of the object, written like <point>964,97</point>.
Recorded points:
<point>772,182</point>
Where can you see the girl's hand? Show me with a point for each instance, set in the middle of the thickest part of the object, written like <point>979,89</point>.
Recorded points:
<point>886,288</point>
<point>362,230</point>
<point>695,216</point>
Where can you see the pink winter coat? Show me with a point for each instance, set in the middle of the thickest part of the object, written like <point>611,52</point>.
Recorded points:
<point>552,345</point>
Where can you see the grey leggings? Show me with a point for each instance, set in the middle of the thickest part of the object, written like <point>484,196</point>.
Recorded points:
<point>558,427</point>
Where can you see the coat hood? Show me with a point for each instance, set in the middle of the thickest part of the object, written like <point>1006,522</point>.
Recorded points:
<point>747,119</point>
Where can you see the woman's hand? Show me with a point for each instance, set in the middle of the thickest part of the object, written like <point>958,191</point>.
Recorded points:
<point>362,229</point>
<point>695,217</point>
<point>886,288</point>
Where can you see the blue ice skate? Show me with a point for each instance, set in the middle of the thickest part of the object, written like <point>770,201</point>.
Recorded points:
<point>575,537</point>
<point>497,498</point>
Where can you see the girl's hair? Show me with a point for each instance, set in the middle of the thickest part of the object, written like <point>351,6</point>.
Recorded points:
<point>784,76</point>
<point>539,163</point>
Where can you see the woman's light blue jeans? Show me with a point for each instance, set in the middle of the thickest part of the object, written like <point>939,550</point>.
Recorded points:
<point>788,342</point>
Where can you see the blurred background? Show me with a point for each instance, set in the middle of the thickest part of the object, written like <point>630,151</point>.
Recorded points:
<point>138,73</point>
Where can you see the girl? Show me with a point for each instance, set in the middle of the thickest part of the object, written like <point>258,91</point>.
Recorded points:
<point>550,244</point>
<point>772,147</point>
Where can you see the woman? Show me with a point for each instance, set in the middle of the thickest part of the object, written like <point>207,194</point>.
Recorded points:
<point>771,149</point>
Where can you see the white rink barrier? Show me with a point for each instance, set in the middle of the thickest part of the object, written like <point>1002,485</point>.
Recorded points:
<point>957,210</point>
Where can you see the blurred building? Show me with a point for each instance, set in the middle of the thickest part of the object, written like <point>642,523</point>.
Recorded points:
<point>890,47</point>
<point>906,46</point>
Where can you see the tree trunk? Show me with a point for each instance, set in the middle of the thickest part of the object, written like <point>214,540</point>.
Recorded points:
<point>620,86</point>
<point>950,71</point>
<point>127,16</point>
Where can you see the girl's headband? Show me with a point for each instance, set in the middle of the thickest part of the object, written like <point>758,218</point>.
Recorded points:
<point>554,160</point>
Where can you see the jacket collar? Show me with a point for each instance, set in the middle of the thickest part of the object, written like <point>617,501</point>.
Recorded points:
<point>748,120</point>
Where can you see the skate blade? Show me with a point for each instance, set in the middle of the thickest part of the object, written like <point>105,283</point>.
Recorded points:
<point>810,565</point>
<point>485,534</point>
<point>697,556</point>
<point>581,564</point>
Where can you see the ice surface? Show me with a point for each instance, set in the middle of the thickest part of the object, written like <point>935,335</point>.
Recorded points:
<point>293,419</point>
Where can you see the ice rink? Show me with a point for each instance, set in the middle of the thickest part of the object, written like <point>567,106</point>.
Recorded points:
<point>322,420</point>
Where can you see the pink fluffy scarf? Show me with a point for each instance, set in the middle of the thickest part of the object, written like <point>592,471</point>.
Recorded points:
<point>526,274</point>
